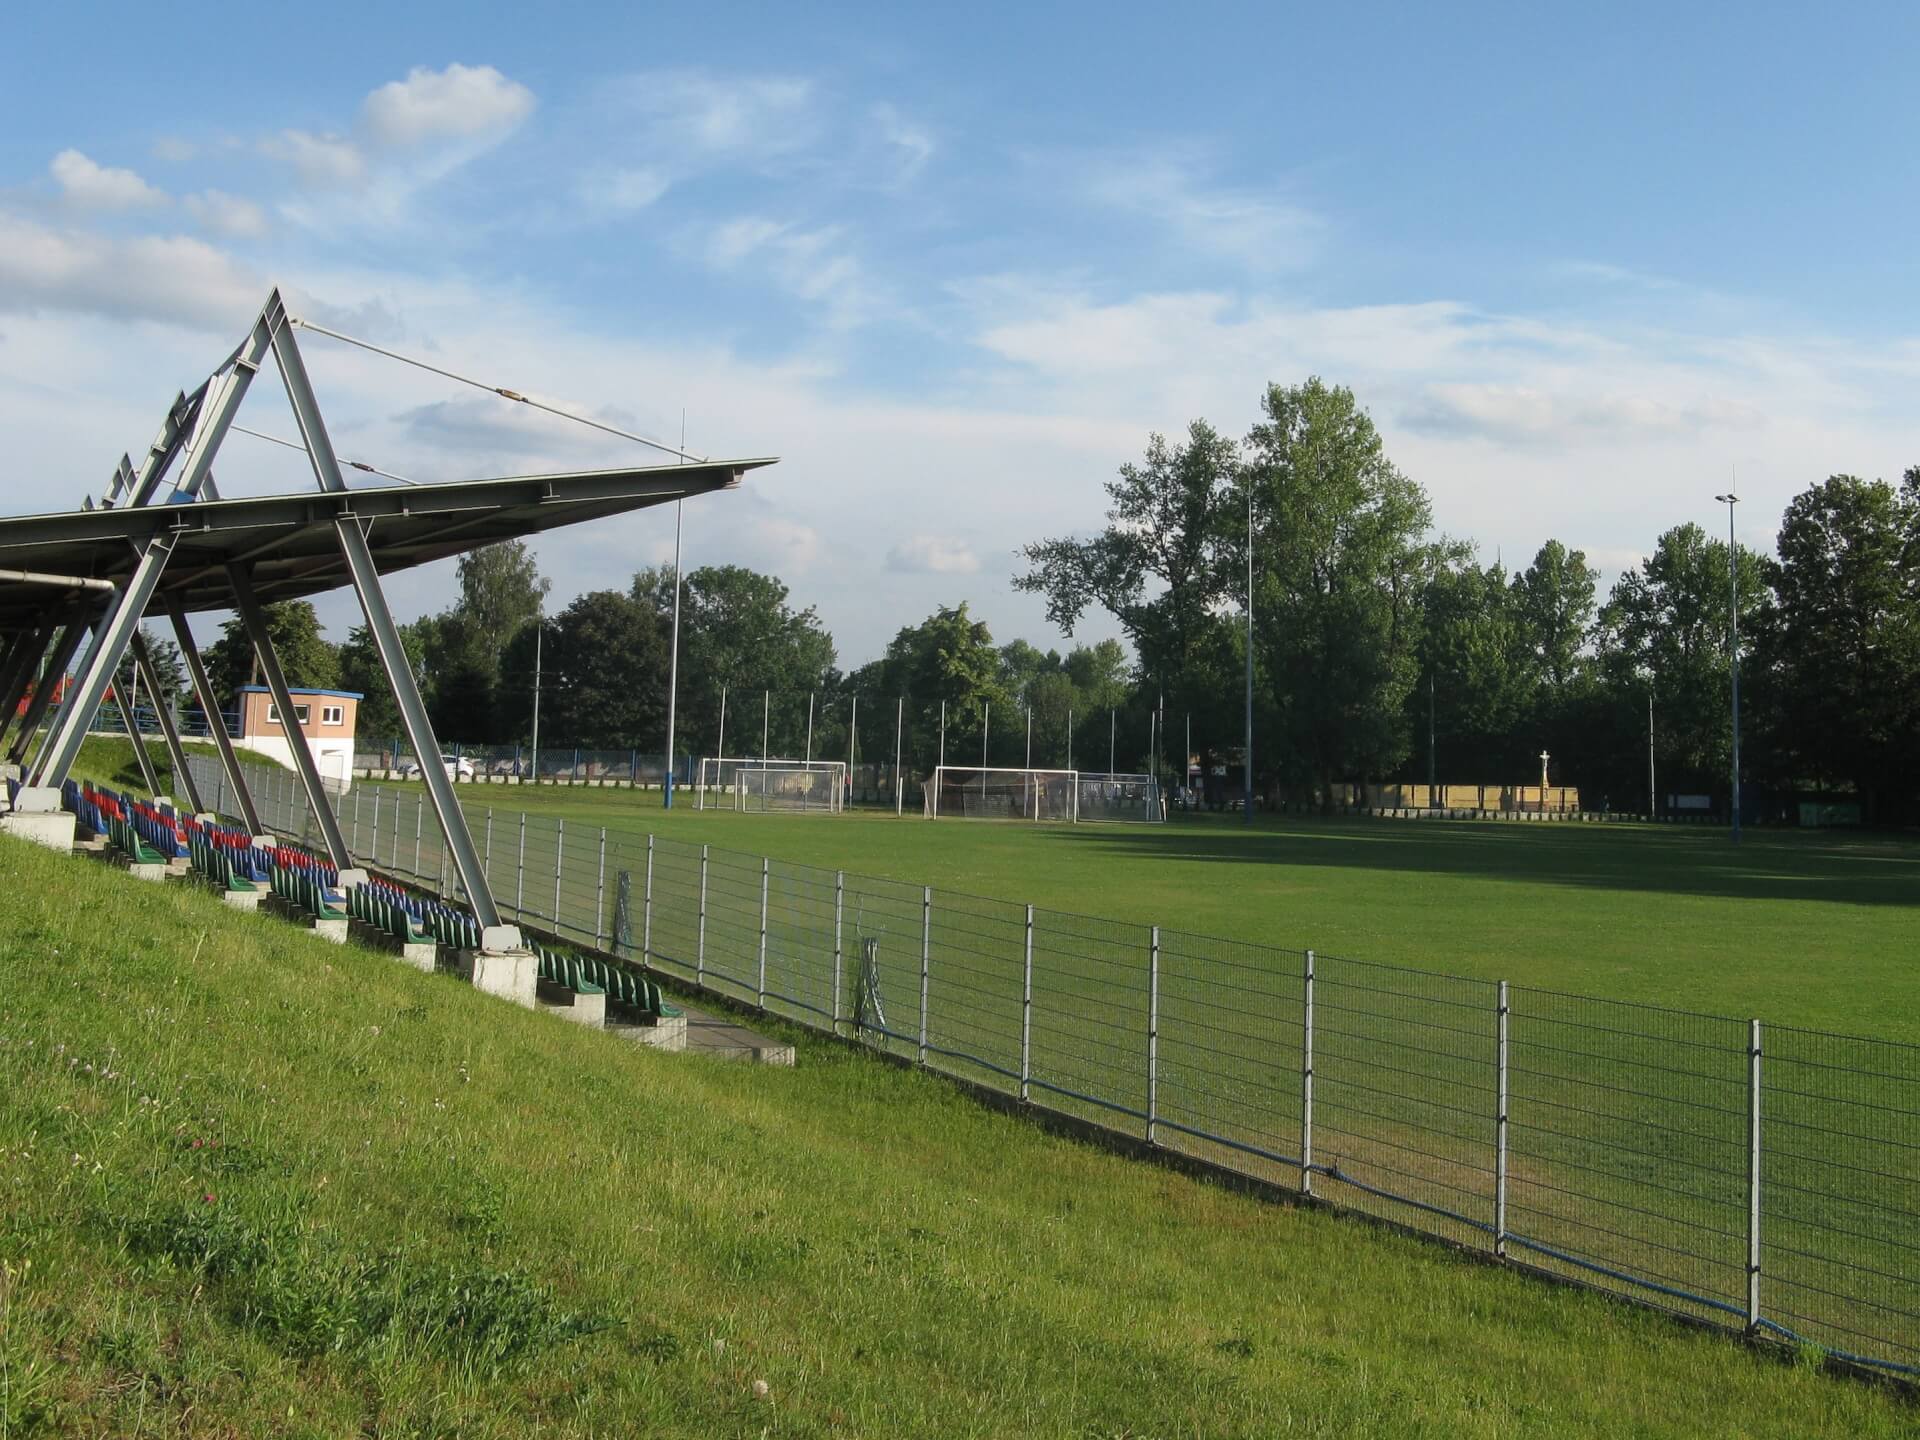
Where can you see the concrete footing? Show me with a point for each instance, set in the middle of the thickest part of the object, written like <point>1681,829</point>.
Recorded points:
<point>145,870</point>
<point>571,1005</point>
<point>510,974</point>
<point>669,1032</point>
<point>53,830</point>
<point>246,900</point>
<point>423,956</point>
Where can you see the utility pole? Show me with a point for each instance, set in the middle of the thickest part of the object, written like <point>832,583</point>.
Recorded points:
<point>1246,816</point>
<point>1432,766</point>
<point>1653,795</point>
<point>539,635</point>
<point>1733,577</point>
<point>673,663</point>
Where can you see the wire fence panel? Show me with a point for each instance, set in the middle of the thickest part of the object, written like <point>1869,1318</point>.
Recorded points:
<point>1628,1144</point>
<point>1839,1192</point>
<point>975,986</point>
<point>1090,1016</point>
<point>1230,1053</point>
<point>1762,1178</point>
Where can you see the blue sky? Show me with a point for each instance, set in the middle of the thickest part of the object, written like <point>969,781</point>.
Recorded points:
<point>954,266</point>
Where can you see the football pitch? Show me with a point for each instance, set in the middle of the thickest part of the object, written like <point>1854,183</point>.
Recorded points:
<point>1816,929</point>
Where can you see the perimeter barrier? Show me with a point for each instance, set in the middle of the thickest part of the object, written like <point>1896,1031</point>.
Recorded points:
<point>1761,1178</point>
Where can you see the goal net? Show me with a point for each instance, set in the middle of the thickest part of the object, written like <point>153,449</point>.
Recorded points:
<point>800,786</point>
<point>1119,797</point>
<point>974,793</point>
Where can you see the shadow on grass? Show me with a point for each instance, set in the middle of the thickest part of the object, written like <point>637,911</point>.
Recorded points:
<point>1767,865</point>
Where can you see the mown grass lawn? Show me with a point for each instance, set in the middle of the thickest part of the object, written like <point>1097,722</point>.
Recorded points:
<point>254,1184</point>
<point>1817,929</point>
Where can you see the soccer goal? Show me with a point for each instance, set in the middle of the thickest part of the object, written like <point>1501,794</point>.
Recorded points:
<point>974,793</point>
<point>1119,797</point>
<point>808,787</point>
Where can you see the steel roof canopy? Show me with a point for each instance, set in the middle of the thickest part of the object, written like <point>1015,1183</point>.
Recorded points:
<point>289,541</point>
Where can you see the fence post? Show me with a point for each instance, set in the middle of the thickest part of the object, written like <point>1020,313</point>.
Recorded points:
<point>926,955</point>
<point>839,911</point>
<point>1306,1085</point>
<point>1753,1176</point>
<point>486,857</point>
<point>1026,1013</point>
<point>1500,1134</point>
<point>419,824</point>
<point>375,848</point>
<point>646,911</point>
<point>762,982</point>
<point>354,844</point>
<point>1153,1041</point>
<point>520,872</point>
<point>700,945</point>
<point>600,890</point>
<point>559,850</point>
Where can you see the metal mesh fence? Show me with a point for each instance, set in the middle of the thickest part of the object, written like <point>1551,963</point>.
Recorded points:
<point>1764,1178</point>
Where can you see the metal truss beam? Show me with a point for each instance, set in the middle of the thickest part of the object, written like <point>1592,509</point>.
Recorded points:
<point>365,575</point>
<point>216,722</point>
<point>210,411</point>
<point>140,755</point>
<point>256,623</point>
<point>48,681</point>
<point>163,707</point>
<point>28,646</point>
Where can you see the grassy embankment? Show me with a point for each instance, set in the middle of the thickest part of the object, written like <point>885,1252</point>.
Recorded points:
<point>250,1183</point>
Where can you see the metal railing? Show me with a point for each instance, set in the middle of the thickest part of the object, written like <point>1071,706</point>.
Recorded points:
<point>1764,1178</point>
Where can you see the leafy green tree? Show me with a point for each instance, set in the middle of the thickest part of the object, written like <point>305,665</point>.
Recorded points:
<point>1849,637</point>
<point>1555,609</point>
<point>360,669</point>
<point>1341,563</point>
<point>1159,565</point>
<point>738,630</point>
<point>603,663</point>
<point>306,657</point>
<point>1473,651</point>
<point>1666,629</point>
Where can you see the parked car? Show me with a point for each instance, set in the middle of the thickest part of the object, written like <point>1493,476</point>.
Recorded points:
<point>457,768</point>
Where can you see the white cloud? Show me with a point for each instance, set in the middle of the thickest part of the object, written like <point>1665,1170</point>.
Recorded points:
<point>815,265</point>
<point>933,555</point>
<point>690,115</point>
<point>1261,229</point>
<point>173,150</point>
<point>911,144</point>
<point>227,214</point>
<point>99,187</point>
<point>624,189</point>
<point>149,277</point>
<point>461,102</point>
<point>324,161</point>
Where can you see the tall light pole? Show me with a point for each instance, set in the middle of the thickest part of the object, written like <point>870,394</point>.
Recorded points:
<point>539,637</point>
<point>1246,799</point>
<point>673,664</point>
<point>1733,582</point>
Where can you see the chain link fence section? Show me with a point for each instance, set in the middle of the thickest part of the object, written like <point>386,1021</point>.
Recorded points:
<point>1761,1178</point>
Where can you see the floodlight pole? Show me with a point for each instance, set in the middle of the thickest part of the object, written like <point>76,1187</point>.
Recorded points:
<point>1069,737</point>
<point>673,663</point>
<point>1653,795</point>
<point>899,725</point>
<point>539,640</point>
<point>766,713</point>
<point>943,733</point>
<point>986,715</point>
<point>1113,740</point>
<point>1029,737</point>
<point>722,752</point>
<point>1246,802</point>
<point>1733,584</point>
<point>808,758</point>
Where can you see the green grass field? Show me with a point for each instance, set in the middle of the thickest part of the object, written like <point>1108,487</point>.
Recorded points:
<point>253,1184</point>
<point>1818,929</point>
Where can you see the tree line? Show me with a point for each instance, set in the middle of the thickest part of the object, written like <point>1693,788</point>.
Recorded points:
<point>1382,649</point>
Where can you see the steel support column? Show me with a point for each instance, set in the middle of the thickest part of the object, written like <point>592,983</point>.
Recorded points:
<point>248,608</point>
<point>128,703</point>
<point>163,707</point>
<point>47,682</point>
<point>17,674</point>
<point>386,638</point>
<point>216,723</point>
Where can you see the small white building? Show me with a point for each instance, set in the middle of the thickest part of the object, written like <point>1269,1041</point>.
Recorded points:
<point>325,717</point>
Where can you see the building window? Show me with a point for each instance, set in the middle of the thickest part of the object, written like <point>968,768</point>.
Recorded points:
<point>333,714</point>
<point>300,713</point>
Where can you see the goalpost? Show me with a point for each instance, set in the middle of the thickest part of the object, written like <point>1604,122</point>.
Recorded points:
<point>975,792</point>
<point>801,787</point>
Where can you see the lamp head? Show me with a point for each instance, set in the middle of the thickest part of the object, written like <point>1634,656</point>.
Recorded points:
<point>1728,499</point>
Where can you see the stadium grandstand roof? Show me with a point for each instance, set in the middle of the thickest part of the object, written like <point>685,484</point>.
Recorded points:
<point>289,541</point>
